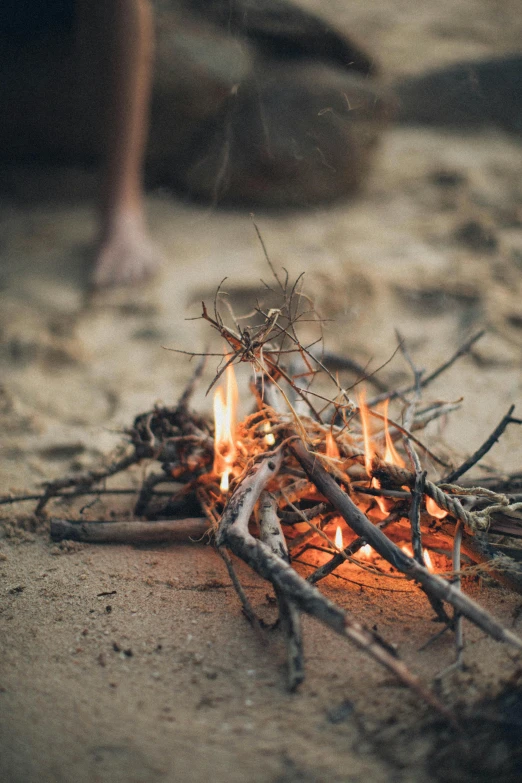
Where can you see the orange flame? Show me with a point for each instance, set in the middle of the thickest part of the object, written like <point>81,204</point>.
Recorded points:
<point>369,449</point>
<point>332,449</point>
<point>406,548</point>
<point>225,412</point>
<point>434,510</point>
<point>391,455</point>
<point>269,437</point>
<point>339,538</point>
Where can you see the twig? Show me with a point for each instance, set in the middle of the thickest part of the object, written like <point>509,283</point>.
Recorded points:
<point>457,619</point>
<point>85,480</point>
<point>302,515</point>
<point>486,446</point>
<point>131,531</point>
<point>435,585</point>
<point>414,516</point>
<point>152,480</point>
<point>464,349</point>
<point>272,535</point>
<point>478,549</point>
<point>420,476</point>
<point>192,384</point>
<point>336,362</point>
<point>246,606</point>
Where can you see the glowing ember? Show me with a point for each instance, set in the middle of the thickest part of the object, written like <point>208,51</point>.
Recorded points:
<point>339,538</point>
<point>269,437</point>
<point>332,449</point>
<point>434,510</point>
<point>225,408</point>
<point>428,561</point>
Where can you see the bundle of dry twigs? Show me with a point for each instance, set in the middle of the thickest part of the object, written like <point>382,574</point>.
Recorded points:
<point>301,462</point>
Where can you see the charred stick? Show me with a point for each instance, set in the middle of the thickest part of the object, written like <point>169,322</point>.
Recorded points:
<point>414,516</point>
<point>146,492</point>
<point>436,586</point>
<point>486,446</point>
<point>85,480</point>
<point>294,517</point>
<point>233,533</point>
<point>272,535</point>
<point>129,532</point>
<point>73,494</point>
<point>399,494</point>
<point>192,384</point>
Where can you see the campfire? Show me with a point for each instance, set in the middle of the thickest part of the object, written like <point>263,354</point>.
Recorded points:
<point>331,482</point>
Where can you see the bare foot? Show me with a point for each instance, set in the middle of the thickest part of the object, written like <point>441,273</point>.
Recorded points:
<point>126,254</point>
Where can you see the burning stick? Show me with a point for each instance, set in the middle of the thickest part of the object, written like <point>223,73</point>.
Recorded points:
<point>233,533</point>
<point>198,456</point>
<point>435,585</point>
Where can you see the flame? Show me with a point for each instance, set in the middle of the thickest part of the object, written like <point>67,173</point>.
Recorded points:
<point>390,455</point>
<point>406,548</point>
<point>369,449</point>
<point>269,437</point>
<point>339,538</point>
<point>332,449</point>
<point>365,551</point>
<point>434,510</point>
<point>225,411</point>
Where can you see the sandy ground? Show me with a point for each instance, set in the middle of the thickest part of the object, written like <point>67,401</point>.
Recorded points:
<point>134,664</point>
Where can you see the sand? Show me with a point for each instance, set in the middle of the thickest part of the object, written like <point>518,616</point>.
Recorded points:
<point>122,663</point>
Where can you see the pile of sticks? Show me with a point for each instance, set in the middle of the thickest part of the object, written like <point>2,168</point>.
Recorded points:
<point>285,479</point>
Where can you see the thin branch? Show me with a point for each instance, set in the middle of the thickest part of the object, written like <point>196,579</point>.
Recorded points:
<point>483,450</point>
<point>272,535</point>
<point>464,349</point>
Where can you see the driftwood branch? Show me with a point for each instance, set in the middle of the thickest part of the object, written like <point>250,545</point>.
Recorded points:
<point>130,532</point>
<point>271,534</point>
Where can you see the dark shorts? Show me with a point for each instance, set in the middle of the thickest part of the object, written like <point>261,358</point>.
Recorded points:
<point>25,17</point>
